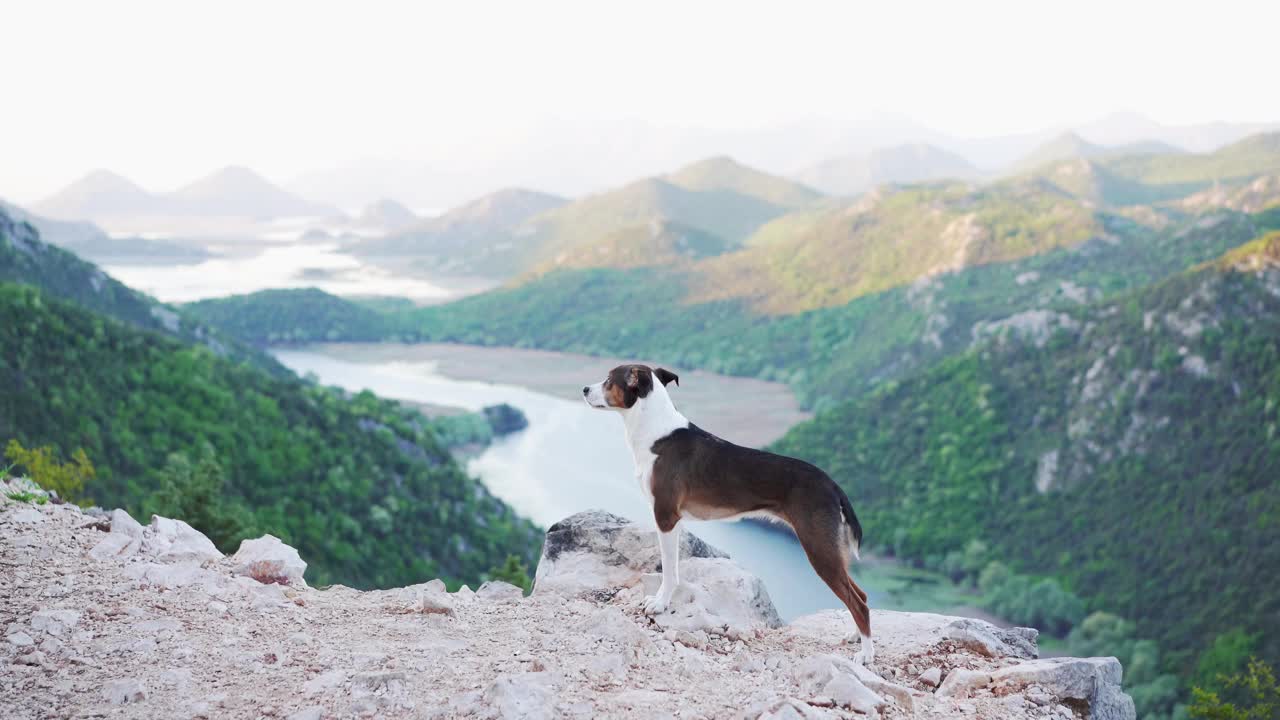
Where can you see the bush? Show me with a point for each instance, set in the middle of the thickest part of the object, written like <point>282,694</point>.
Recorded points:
<point>66,480</point>
<point>196,493</point>
<point>1250,695</point>
<point>514,572</point>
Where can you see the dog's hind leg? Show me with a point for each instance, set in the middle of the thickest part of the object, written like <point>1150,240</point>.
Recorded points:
<point>823,539</point>
<point>669,543</point>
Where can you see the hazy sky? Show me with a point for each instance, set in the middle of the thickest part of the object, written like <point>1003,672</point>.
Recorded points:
<point>166,91</point>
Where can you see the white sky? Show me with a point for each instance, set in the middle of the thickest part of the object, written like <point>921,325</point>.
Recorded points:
<point>163,92</point>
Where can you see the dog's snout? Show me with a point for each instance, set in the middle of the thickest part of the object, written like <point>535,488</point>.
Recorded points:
<point>586,390</point>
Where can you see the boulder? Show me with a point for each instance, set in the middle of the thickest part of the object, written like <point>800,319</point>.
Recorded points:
<point>499,591</point>
<point>716,596</point>
<point>833,677</point>
<point>986,639</point>
<point>521,696</point>
<point>266,557</point>
<point>596,550</point>
<point>961,682</point>
<point>171,541</point>
<point>1095,681</point>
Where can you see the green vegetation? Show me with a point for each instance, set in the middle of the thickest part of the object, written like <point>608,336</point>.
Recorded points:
<point>1249,695</point>
<point>513,571</point>
<point>27,497</point>
<point>1142,178</point>
<point>363,487</point>
<point>1155,693</point>
<point>25,258</point>
<point>292,316</point>
<point>64,479</point>
<point>197,493</point>
<point>1132,456</point>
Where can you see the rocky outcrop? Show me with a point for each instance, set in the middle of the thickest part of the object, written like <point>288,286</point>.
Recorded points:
<point>103,616</point>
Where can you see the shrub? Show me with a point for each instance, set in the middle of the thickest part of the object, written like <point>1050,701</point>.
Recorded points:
<point>1251,695</point>
<point>514,572</point>
<point>66,480</point>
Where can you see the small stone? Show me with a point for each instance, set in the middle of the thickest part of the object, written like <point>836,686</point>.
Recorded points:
<point>435,603</point>
<point>35,658</point>
<point>499,591</point>
<point>54,622</point>
<point>931,677</point>
<point>309,713</point>
<point>127,690</point>
<point>20,639</point>
<point>216,607</point>
<point>436,585</point>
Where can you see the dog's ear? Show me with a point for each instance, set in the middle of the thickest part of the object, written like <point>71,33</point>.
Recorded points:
<point>666,376</point>
<point>633,377</point>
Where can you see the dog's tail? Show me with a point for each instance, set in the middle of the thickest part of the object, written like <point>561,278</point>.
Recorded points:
<point>851,520</point>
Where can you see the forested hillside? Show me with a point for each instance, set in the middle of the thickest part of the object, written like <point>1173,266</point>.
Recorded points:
<point>26,258</point>
<point>1131,451</point>
<point>365,485</point>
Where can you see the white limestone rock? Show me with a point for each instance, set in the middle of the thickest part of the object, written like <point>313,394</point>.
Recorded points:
<point>173,541</point>
<point>499,592</point>
<point>1095,681</point>
<point>595,550</point>
<point>124,691</point>
<point>834,677</point>
<point>268,554</point>
<point>983,637</point>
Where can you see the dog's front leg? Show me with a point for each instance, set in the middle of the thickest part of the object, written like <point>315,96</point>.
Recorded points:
<point>669,543</point>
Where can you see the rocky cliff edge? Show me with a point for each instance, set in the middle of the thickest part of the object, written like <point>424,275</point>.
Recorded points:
<point>105,617</point>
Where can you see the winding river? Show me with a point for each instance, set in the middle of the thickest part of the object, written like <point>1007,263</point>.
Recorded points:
<point>573,458</point>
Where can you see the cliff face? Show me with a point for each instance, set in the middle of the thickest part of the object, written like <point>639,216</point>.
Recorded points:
<point>102,615</point>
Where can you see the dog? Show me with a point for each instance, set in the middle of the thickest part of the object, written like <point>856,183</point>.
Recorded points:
<point>687,472</point>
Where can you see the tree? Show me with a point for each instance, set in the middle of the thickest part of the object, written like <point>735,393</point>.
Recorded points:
<point>196,494</point>
<point>514,572</point>
<point>1252,695</point>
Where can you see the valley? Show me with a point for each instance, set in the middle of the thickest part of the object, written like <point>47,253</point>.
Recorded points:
<point>1047,390</point>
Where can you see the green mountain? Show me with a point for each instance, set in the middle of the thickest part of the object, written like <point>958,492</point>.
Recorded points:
<point>705,208</point>
<point>1135,179</point>
<point>483,237</point>
<point>828,257</point>
<point>1070,146</point>
<point>292,316</point>
<point>364,487</point>
<point>1130,450</point>
<point>715,197</point>
<point>901,164</point>
<point>26,258</point>
<point>723,173</point>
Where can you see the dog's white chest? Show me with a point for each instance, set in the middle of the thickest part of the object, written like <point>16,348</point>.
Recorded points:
<point>644,473</point>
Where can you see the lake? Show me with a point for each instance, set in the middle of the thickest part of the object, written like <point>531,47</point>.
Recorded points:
<point>572,457</point>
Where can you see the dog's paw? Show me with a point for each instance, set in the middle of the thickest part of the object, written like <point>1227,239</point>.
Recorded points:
<point>867,654</point>
<point>656,604</point>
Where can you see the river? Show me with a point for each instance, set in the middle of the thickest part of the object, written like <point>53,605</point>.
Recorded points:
<point>573,458</point>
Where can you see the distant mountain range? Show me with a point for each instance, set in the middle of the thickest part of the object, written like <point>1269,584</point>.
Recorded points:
<point>579,159</point>
<point>857,173</point>
<point>90,241</point>
<point>230,192</point>
<point>1070,146</point>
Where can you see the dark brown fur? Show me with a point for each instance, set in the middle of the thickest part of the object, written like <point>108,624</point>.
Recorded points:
<point>708,478</point>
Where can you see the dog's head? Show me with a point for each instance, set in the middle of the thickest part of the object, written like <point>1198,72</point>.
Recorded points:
<point>625,386</point>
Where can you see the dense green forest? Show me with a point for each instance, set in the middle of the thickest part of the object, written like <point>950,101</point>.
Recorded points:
<point>1133,455</point>
<point>365,488</point>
